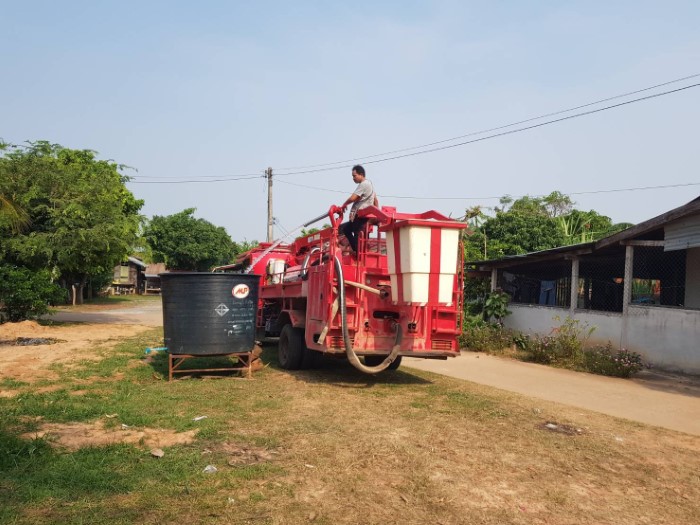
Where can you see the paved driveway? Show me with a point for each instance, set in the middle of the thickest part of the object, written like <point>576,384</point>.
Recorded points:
<point>658,399</point>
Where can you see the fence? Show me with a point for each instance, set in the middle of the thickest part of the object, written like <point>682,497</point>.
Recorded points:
<point>658,279</point>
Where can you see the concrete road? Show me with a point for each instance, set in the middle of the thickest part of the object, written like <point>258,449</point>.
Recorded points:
<point>655,398</point>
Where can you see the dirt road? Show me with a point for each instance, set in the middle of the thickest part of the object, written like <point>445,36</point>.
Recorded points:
<point>147,313</point>
<point>654,398</point>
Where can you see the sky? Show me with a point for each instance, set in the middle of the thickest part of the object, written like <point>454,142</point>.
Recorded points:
<point>201,91</point>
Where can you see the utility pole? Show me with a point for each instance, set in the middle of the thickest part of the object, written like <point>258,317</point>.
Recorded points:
<point>270,219</point>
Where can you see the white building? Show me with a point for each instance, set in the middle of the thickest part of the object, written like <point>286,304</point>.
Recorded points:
<point>639,288</point>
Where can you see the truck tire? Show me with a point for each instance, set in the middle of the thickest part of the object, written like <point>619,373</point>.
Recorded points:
<point>374,360</point>
<point>291,347</point>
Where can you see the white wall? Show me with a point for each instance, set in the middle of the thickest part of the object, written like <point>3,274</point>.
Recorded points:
<point>692,278</point>
<point>668,338</point>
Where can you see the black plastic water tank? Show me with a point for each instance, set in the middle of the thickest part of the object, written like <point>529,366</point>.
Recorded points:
<point>209,313</point>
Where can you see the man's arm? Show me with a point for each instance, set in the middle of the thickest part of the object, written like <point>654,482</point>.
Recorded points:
<point>352,198</point>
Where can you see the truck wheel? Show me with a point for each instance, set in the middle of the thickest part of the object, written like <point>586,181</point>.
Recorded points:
<point>291,347</point>
<point>374,360</point>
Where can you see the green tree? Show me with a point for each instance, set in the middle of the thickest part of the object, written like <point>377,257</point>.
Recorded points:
<point>473,238</point>
<point>243,246</point>
<point>81,220</point>
<point>516,231</point>
<point>26,294</point>
<point>13,218</point>
<point>557,204</point>
<point>523,225</point>
<point>185,243</point>
<point>585,226</point>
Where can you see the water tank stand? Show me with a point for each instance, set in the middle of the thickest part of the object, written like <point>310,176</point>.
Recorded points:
<point>243,364</point>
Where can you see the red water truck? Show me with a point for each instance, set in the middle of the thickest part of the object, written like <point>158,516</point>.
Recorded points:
<point>399,295</point>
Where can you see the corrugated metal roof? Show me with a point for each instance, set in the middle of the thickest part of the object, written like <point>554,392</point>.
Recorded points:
<point>682,234</point>
<point>541,253</point>
<point>137,262</point>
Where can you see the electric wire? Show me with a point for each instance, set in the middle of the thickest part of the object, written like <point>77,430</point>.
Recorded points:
<point>591,192</point>
<point>173,177</point>
<point>440,148</point>
<point>501,134</point>
<point>228,179</point>
<point>546,115</point>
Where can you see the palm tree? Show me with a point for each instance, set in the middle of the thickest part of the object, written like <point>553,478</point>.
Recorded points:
<point>475,217</point>
<point>13,214</point>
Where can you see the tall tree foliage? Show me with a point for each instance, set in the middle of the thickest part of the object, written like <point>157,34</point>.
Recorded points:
<point>185,243</point>
<point>531,224</point>
<point>77,218</point>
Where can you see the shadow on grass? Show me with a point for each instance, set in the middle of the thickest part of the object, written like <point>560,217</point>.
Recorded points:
<point>327,370</point>
<point>339,372</point>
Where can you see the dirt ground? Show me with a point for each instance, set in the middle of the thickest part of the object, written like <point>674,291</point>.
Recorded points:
<point>74,343</point>
<point>419,453</point>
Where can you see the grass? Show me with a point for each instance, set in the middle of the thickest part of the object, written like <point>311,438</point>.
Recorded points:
<point>337,447</point>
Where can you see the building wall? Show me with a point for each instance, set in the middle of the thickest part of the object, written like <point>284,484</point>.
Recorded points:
<point>692,278</point>
<point>668,338</point>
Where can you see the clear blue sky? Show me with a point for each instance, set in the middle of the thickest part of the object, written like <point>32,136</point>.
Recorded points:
<point>192,90</point>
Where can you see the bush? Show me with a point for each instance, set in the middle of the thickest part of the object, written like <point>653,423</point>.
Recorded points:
<point>25,294</point>
<point>481,336</point>
<point>496,306</point>
<point>475,292</point>
<point>564,344</point>
<point>605,361</point>
<point>563,347</point>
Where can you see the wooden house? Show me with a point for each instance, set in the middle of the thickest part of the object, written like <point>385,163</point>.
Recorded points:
<point>129,277</point>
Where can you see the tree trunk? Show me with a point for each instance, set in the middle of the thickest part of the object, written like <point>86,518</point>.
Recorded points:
<point>81,289</point>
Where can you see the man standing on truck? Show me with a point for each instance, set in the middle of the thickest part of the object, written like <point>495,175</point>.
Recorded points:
<point>363,197</point>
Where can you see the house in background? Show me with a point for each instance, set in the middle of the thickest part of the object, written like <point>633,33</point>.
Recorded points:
<point>129,277</point>
<point>639,288</point>
<point>152,275</point>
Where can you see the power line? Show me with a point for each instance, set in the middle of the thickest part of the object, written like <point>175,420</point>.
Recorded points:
<point>541,124</point>
<point>591,192</point>
<point>284,230</point>
<point>496,128</point>
<point>194,180</point>
<point>172,177</point>
<point>313,187</point>
<point>432,150</point>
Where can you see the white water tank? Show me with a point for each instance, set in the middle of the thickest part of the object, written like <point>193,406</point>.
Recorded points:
<point>422,260</point>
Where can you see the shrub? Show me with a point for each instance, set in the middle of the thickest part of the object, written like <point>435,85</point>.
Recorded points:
<point>563,345</point>
<point>542,350</point>
<point>605,361</point>
<point>522,341</point>
<point>496,306</point>
<point>26,294</point>
<point>481,336</point>
<point>475,292</point>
